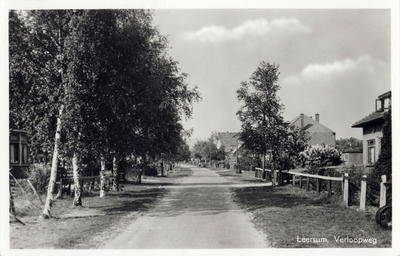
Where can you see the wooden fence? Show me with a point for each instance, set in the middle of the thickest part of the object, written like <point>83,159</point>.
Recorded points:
<point>91,183</point>
<point>298,177</point>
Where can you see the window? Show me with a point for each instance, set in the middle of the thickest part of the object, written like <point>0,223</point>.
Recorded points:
<point>371,151</point>
<point>18,148</point>
<point>378,105</point>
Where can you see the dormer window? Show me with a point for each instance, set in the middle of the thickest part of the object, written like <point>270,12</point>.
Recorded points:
<point>386,104</point>
<point>383,102</point>
<point>378,105</point>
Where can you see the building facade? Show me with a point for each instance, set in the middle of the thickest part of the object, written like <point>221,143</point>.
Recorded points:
<point>372,126</point>
<point>319,133</point>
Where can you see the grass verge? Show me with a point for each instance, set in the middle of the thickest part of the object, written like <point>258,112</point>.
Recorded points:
<point>85,227</point>
<point>294,218</point>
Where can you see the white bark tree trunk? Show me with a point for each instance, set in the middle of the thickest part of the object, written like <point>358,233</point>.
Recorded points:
<point>102,177</point>
<point>115,174</point>
<point>77,185</point>
<point>54,165</point>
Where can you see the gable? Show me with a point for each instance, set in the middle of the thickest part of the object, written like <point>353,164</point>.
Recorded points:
<point>310,125</point>
<point>227,139</point>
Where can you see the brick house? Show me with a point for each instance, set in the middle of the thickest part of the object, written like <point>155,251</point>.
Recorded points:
<point>372,126</point>
<point>319,133</point>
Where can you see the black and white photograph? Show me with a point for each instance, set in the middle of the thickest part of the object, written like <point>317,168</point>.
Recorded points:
<point>181,128</point>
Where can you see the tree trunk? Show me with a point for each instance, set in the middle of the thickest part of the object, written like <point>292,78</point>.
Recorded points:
<point>139,177</point>
<point>115,174</point>
<point>54,165</point>
<point>77,185</point>
<point>102,176</point>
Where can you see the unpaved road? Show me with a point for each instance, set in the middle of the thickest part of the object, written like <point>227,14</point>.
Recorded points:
<point>198,214</point>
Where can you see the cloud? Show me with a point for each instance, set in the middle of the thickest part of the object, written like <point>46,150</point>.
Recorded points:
<point>253,28</point>
<point>337,69</point>
<point>342,91</point>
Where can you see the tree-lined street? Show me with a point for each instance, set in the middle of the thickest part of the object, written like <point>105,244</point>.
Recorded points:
<point>100,132</point>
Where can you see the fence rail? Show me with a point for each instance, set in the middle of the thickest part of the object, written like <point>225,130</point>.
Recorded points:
<point>344,179</point>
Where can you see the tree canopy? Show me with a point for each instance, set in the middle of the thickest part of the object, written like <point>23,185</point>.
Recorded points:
<point>263,129</point>
<point>94,82</point>
<point>349,145</point>
<point>262,124</point>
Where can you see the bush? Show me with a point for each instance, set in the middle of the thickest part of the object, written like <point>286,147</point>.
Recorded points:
<point>320,156</point>
<point>39,177</point>
<point>150,170</point>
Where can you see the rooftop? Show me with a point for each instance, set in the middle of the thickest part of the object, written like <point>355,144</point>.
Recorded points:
<point>368,119</point>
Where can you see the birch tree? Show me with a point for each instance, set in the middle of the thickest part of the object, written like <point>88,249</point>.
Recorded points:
<point>262,124</point>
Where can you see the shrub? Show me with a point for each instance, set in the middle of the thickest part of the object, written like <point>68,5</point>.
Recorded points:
<point>320,156</point>
<point>150,170</point>
<point>40,176</point>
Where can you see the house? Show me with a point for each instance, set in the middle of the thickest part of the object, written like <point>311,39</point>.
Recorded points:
<point>19,153</point>
<point>230,142</point>
<point>352,158</point>
<point>372,126</point>
<point>319,133</point>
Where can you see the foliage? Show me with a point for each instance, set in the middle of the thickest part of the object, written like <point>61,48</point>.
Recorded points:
<point>320,156</point>
<point>39,177</point>
<point>248,160</point>
<point>263,130</point>
<point>150,170</point>
<point>295,142</point>
<point>262,125</point>
<point>384,164</point>
<point>206,149</point>
<point>110,70</point>
<point>349,145</point>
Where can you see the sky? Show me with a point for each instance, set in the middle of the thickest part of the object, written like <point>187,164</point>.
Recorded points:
<point>334,62</point>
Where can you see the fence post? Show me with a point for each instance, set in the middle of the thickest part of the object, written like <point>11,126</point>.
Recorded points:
<point>329,187</point>
<point>382,195</point>
<point>294,179</point>
<point>318,188</point>
<point>301,179</point>
<point>363,195</point>
<point>308,183</point>
<point>346,189</point>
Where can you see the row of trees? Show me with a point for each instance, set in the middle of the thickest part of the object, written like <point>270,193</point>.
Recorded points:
<point>94,83</point>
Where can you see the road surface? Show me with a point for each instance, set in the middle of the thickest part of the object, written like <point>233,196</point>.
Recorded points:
<point>197,214</point>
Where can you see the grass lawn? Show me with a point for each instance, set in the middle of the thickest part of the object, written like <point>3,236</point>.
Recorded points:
<point>294,218</point>
<point>87,227</point>
<point>243,177</point>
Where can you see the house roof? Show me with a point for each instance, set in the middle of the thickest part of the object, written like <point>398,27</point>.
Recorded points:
<point>385,95</point>
<point>227,139</point>
<point>310,124</point>
<point>368,119</point>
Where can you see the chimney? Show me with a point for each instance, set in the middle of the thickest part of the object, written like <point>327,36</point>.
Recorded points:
<point>317,117</point>
<point>302,120</point>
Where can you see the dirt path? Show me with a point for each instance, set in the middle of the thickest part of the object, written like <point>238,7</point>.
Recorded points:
<point>197,214</point>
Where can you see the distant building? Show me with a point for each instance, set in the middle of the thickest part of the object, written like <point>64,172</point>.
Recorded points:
<point>352,158</point>
<point>372,126</point>
<point>319,133</point>
<point>230,142</point>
